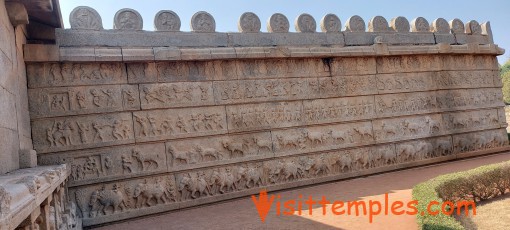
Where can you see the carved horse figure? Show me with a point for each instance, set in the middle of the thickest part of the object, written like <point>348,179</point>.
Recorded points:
<point>225,180</point>
<point>194,185</point>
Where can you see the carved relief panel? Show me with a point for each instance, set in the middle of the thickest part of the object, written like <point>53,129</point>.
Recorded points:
<point>408,64</point>
<point>353,66</point>
<point>469,99</point>
<point>424,149</point>
<point>200,152</point>
<point>469,62</point>
<point>61,101</point>
<point>104,202</point>
<point>281,68</point>
<point>405,82</point>
<point>72,74</point>
<point>61,134</point>
<point>347,86</point>
<point>466,79</point>
<point>480,140</point>
<point>471,120</point>
<point>106,164</point>
<point>321,138</point>
<point>179,123</point>
<point>405,128</point>
<point>244,91</point>
<point>264,116</point>
<point>170,95</point>
<point>338,109</point>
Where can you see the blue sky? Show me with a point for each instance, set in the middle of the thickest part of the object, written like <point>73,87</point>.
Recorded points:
<point>227,12</point>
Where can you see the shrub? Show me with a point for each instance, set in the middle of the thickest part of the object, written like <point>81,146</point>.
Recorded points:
<point>478,184</point>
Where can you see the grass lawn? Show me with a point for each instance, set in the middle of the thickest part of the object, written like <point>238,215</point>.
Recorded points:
<point>493,215</point>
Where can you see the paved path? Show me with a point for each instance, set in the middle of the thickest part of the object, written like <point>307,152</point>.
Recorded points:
<point>241,213</point>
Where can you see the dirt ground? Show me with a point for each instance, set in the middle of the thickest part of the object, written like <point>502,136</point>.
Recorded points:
<point>242,214</point>
<point>493,214</point>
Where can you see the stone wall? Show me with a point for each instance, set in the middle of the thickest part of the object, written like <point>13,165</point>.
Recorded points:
<point>149,128</point>
<point>14,118</point>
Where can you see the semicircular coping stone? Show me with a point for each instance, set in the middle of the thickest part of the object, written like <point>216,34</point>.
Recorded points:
<point>85,18</point>
<point>331,23</point>
<point>203,22</point>
<point>378,24</point>
<point>457,26</point>
<point>355,24</point>
<point>278,23</point>
<point>305,23</point>
<point>127,19</point>
<point>420,24</point>
<point>167,20</point>
<point>473,27</point>
<point>440,26</point>
<point>400,24</point>
<point>249,23</point>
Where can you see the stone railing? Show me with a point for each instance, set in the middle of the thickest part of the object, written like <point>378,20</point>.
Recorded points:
<point>36,198</point>
<point>152,121</point>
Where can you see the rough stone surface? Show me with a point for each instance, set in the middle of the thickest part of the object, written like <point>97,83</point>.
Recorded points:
<point>305,23</point>
<point>331,23</point>
<point>278,23</point>
<point>203,22</point>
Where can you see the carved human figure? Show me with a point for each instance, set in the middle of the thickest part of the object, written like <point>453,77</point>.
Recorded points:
<point>109,97</point>
<point>143,125</point>
<point>128,97</point>
<point>126,164</point>
<point>99,129</point>
<point>57,102</point>
<point>83,17</point>
<point>82,130</point>
<point>305,23</point>
<point>355,24</point>
<point>167,20</point>
<point>118,130</point>
<point>56,72</point>
<point>331,23</point>
<point>278,23</point>
<point>108,163</point>
<point>96,97</point>
<point>203,22</point>
<point>249,23</point>
<point>128,19</point>
<point>81,100</point>
<point>181,124</point>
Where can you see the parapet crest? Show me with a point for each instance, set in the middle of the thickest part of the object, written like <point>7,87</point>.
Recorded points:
<point>87,18</point>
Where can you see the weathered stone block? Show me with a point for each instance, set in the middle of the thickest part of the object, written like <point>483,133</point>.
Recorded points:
<point>113,163</point>
<point>468,62</point>
<point>27,158</point>
<point>10,150</point>
<point>92,131</point>
<point>179,94</point>
<point>445,38</point>
<point>264,116</point>
<point>322,138</point>
<point>479,140</point>
<point>185,71</point>
<point>167,53</point>
<point>142,72</point>
<point>137,54</point>
<point>472,38</point>
<point>334,110</point>
<point>233,92</point>
<point>407,64</point>
<point>40,53</point>
<point>77,54</point>
<point>8,110</point>
<point>179,123</point>
<point>210,151</point>
<point>353,66</point>
<point>419,150</point>
<point>466,79</point>
<point>405,82</point>
<point>342,86</point>
<point>65,101</point>
<point>108,54</point>
<point>407,128</point>
<point>72,74</point>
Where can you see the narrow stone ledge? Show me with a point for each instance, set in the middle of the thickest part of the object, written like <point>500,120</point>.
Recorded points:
<point>84,54</point>
<point>137,54</point>
<point>196,54</point>
<point>478,39</point>
<point>108,54</point>
<point>445,38</point>
<point>167,53</point>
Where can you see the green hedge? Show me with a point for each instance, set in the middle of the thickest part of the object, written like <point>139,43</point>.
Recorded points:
<point>482,183</point>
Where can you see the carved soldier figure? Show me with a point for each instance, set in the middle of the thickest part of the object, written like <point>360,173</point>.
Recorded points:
<point>56,72</point>
<point>204,93</point>
<point>81,100</point>
<point>82,130</point>
<point>99,131</point>
<point>128,97</point>
<point>181,124</point>
<point>118,130</point>
<point>126,164</point>
<point>152,121</point>
<point>96,97</point>
<point>143,125</point>
<point>109,97</point>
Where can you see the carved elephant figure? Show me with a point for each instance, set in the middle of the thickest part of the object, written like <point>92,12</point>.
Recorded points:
<point>100,200</point>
